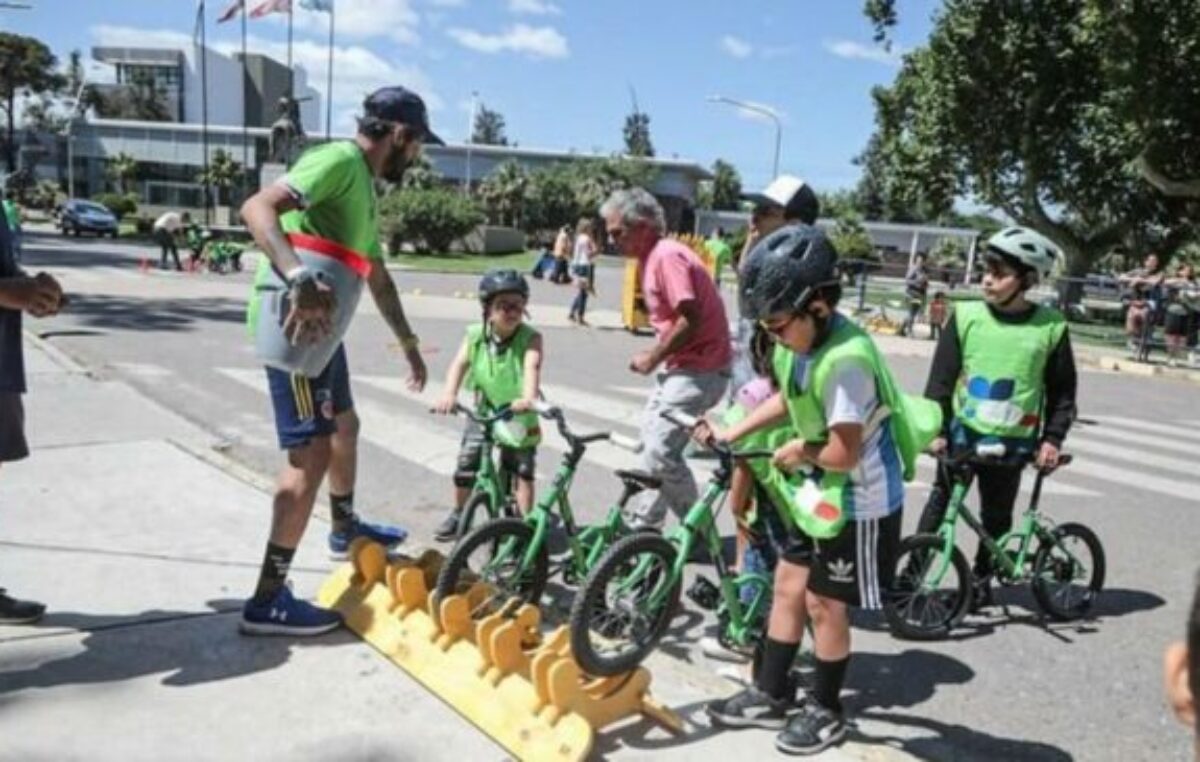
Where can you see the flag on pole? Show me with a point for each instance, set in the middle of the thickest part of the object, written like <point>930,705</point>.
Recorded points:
<point>323,6</point>
<point>268,7</point>
<point>199,23</point>
<point>236,7</point>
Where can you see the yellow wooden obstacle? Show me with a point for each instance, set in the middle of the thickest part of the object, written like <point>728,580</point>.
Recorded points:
<point>525,691</point>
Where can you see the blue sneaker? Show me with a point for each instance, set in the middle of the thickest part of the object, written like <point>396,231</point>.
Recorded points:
<point>285,615</point>
<point>388,537</point>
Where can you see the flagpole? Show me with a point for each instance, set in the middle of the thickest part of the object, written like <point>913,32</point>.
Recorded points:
<point>204,109</point>
<point>329,81</point>
<point>291,77</point>
<point>245,116</point>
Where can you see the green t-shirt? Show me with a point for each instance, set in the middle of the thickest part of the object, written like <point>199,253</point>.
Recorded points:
<point>720,251</point>
<point>337,202</point>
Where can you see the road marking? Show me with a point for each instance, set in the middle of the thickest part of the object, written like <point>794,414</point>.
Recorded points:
<point>596,405</point>
<point>1051,486</point>
<point>1191,432</point>
<point>1135,456</point>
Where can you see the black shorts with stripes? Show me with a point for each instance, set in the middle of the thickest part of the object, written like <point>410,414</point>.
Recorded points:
<point>856,566</point>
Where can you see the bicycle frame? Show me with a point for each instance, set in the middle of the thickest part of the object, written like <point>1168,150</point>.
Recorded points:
<point>1008,567</point>
<point>494,481</point>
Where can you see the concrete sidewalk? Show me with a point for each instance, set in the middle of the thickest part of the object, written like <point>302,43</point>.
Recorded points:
<point>143,541</point>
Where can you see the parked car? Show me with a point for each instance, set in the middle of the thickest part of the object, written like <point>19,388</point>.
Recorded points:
<point>80,216</point>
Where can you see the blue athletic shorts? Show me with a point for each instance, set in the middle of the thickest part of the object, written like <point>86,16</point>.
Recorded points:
<point>305,408</point>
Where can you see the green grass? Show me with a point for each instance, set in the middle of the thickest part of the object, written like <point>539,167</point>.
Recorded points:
<point>463,262</point>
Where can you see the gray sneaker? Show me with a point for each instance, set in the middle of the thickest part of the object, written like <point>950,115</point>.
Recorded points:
<point>13,611</point>
<point>749,709</point>
<point>814,729</point>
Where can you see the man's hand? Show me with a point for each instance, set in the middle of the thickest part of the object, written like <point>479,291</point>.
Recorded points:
<point>418,373</point>
<point>1047,457</point>
<point>939,446</point>
<point>311,317</point>
<point>643,363</point>
<point>790,457</point>
<point>42,295</point>
<point>445,406</point>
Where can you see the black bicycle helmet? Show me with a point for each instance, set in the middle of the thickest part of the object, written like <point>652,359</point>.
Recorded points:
<point>784,271</point>
<point>496,282</point>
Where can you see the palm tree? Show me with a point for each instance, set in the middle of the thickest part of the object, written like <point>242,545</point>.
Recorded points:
<point>504,192</point>
<point>122,169</point>
<point>222,173</point>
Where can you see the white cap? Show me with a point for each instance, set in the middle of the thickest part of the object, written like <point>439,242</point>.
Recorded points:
<point>792,193</point>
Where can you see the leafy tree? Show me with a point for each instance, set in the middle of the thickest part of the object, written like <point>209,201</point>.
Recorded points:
<point>431,220</point>
<point>503,192</point>
<point>851,238</point>
<point>420,175</point>
<point>550,199</point>
<point>26,66</point>
<point>637,135</point>
<point>488,129</point>
<point>120,205</point>
<point>1036,109</point>
<point>223,173</point>
<point>122,169</point>
<point>839,203</point>
<point>726,186</point>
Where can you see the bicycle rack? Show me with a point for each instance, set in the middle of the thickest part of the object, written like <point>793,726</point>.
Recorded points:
<point>524,690</point>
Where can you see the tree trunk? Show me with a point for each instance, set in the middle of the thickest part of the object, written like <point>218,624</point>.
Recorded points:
<point>10,158</point>
<point>1070,284</point>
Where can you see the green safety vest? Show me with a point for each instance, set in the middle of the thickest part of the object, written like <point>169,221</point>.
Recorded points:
<point>774,481</point>
<point>817,501</point>
<point>498,377</point>
<point>1001,390</point>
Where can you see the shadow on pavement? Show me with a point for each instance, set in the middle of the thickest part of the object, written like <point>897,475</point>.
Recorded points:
<point>646,736</point>
<point>958,743</point>
<point>140,314</point>
<point>188,648</point>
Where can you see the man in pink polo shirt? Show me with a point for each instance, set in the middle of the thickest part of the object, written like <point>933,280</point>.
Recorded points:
<point>692,352</point>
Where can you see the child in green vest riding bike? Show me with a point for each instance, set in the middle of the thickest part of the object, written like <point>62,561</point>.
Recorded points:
<point>1003,372</point>
<point>500,360</point>
<point>857,438</point>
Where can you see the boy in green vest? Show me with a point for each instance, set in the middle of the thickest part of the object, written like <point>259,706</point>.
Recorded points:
<point>501,360</point>
<point>1003,372</point>
<point>843,404</point>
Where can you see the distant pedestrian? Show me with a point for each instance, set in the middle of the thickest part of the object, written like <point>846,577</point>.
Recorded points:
<point>1179,327</point>
<point>562,256</point>
<point>720,251</point>
<point>12,214</point>
<point>916,286</point>
<point>166,230</point>
<point>1146,299</point>
<point>582,268</point>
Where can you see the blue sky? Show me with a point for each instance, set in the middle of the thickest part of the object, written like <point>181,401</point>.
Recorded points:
<point>560,71</point>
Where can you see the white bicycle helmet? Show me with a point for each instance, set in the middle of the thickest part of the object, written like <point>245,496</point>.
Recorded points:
<point>1027,247</point>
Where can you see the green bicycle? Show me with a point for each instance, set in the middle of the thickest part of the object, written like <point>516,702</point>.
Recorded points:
<point>510,554</point>
<point>628,599</point>
<point>931,590</point>
<point>494,489</point>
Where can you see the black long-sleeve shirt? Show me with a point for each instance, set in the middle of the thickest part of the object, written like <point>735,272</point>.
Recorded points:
<point>1060,377</point>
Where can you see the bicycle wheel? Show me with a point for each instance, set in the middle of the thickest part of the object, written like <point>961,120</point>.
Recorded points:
<point>477,502</point>
<point>493,553</point>
<point>1068,572</point>
<point>930,592</point>
<point>614,623</point>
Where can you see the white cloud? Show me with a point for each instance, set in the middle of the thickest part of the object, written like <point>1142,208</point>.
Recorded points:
<point>534,7</point>
<point>736,47</point>
<point>363,19</point>
<point>536,42</point>
<point>447,3</point>
<point>857,50</point>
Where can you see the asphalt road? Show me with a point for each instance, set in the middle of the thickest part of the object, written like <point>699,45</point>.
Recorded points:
<point>1008,686</point>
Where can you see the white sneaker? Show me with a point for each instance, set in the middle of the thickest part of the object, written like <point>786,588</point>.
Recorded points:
<point>713,649</point>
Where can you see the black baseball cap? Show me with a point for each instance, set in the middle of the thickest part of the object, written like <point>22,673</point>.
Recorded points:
<point>403,106</point>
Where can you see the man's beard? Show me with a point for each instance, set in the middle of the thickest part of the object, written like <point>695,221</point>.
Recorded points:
<point>396,166</point>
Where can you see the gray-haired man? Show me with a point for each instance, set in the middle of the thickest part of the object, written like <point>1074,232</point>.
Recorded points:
<point>692,348</point>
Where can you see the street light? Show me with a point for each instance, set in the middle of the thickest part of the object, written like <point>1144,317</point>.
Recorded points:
<point>70,137</point>
<point>758,109</point>
<point>470,137</point>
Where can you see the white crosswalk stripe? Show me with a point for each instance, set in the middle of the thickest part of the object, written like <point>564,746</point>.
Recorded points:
<point>1109,454</point>
<point>1163,430</point>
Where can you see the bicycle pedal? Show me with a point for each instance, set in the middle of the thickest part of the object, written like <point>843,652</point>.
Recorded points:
<point>704,594</point>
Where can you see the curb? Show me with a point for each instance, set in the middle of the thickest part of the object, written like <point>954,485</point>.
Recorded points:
<point>1132,368</point>
<point>58,356</point>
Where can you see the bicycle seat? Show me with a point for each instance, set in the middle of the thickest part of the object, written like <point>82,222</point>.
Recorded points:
<point>639,479</point>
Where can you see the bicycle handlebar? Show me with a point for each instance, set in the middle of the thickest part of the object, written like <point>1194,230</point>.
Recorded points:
<point>501,414</point>
<point>992,453</point>
<point>724,449</point>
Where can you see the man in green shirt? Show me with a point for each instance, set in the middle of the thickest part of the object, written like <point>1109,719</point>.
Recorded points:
<point>12,213</point>
<point>720,251</point>
<point>330,194</point>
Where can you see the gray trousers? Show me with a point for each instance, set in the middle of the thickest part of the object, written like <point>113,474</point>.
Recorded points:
<point>663,442</point>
